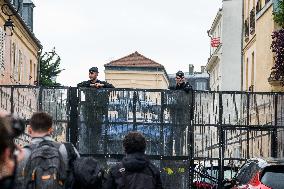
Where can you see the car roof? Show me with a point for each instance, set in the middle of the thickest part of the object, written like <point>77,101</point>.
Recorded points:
<point>262,163</point>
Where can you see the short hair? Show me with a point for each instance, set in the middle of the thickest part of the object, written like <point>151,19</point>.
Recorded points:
<point>134,142</point>
<point>41,122</point>
<point>6,141</point>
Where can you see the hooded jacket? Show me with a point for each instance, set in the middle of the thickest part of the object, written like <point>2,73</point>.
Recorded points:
<point>132,164</point>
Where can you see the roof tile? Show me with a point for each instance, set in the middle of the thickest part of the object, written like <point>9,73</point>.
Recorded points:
<point>134,60</point>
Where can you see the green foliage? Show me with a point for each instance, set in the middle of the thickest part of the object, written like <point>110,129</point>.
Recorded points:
<point>277,45</point>
<point>49,68</point>
<point>278,14</point>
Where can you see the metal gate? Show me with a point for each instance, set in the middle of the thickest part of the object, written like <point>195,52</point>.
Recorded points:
<point>189,135</point>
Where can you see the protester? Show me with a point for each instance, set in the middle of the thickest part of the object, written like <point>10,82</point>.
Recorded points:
<point>181,84</point>
<point>46,163</point>
<point>135,171</point>
<point>94,82</point>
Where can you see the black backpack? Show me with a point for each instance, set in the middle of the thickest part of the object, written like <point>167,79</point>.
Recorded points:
<point>85,172</point>
<point>45,168</point>
<point>143,179</point>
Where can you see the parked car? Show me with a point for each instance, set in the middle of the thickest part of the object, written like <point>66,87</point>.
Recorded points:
<point>206,177</point>
<point>258,174</point>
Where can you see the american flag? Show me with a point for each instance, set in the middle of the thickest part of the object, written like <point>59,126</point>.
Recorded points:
<point>215,41</point>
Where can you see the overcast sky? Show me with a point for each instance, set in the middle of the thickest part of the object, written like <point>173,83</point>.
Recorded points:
<point>90,33</point>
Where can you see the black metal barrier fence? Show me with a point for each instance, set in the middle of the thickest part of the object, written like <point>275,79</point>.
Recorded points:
<point>196,137</point>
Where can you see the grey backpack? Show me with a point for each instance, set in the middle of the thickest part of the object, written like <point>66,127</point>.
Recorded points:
<point>45,168</point>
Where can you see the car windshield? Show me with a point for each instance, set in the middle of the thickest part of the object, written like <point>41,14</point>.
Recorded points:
<point>273,177</point>
<point>210,174</point>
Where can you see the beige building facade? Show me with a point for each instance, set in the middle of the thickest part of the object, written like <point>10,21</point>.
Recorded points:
<point>257,54</point>
<point>18,52</point>
<point>136,71</point>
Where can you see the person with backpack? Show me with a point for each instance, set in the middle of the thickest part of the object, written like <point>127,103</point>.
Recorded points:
<point>46,163</point>
<point>135,171</point>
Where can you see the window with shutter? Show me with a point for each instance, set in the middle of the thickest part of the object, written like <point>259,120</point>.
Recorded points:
<point>35,74</point>
<point>20,63</point>
<point>25,70</point>
<point>15,61</point>
<point>13,49</point>
<point>31,72</point>
<point>2,47</point>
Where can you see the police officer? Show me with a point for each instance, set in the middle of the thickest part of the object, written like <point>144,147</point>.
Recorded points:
<point>180,83</point>
<point>93,110</point>
<point>94,82</point>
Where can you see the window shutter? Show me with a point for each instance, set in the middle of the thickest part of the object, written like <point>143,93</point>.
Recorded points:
<point>16,68</point>
<point>2,62</point>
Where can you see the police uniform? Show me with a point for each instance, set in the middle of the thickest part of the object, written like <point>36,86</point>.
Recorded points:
<point>89,83</point>
<point>182,86</point>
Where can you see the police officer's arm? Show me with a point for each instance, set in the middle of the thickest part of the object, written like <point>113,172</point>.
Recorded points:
<point>107,85</point>
<point>187,87</point>
<point>83,84</point>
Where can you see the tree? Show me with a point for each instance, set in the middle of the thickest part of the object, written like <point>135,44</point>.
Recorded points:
<point>49,68</point>
<point>278,14</point>
<point>278,50</point>
<point>277,45</point>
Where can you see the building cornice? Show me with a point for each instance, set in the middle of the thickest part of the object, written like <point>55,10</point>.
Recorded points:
<point>264,9</point>
<point>216,21</point>
<point>217,53</point>
<point>250,43</point>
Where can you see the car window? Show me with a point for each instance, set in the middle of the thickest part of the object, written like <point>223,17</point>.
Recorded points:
<point>273,177</point>
<point>229,174</point>
<point>246,173</point>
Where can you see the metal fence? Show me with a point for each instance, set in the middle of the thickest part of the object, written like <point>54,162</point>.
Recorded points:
<point>190,136</point>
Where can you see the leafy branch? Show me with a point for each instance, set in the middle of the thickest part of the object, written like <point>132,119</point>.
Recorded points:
<point>49,68</point>
<point>277,45</point>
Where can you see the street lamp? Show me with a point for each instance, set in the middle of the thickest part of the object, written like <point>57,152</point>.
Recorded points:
<point>10,11</point>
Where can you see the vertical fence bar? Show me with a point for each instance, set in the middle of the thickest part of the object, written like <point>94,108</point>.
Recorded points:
<point>274,138</point>
<point>12,100</point>
<point>248,123</point>
<point>106,123</point>
<point>135,97</point>
<point>73,123</point>
<point>162,142</point>
<point>68,110</point>
<point>40,99</point>
<point>190,140</point>
<point>221,142</point>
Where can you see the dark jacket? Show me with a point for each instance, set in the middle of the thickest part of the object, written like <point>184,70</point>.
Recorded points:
<point>7,183</point>
<point>133,164</point>
<point>183,86</point>
<point>88,84</point>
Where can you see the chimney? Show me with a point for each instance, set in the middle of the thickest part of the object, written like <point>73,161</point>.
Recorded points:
<point>203,69</point>
<point>27,13</point>
<point>18,4</point>
<point>191,69</point>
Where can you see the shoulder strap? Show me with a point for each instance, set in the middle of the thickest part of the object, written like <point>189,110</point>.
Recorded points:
<point>152,169</point>
<point>71,154</point>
